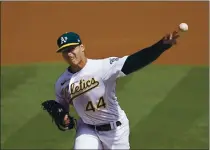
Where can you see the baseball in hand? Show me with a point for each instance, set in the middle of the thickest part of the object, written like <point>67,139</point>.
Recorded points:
<point>183,27</point>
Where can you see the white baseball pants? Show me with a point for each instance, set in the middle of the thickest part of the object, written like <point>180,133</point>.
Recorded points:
<point>88,138</point>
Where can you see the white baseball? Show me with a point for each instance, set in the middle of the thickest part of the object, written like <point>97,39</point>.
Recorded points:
<point>183,27</point>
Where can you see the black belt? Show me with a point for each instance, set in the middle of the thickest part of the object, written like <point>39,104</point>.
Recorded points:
<point>104,127</point>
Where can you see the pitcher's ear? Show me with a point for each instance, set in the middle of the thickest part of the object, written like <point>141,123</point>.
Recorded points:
<point>82,47</point>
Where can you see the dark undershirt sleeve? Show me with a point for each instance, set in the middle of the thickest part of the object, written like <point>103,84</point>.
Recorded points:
<point>144,57</point>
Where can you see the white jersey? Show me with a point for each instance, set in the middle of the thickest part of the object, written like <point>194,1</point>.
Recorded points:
<point>92,90</point>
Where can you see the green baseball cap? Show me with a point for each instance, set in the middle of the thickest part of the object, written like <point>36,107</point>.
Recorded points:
<point>66,40</point>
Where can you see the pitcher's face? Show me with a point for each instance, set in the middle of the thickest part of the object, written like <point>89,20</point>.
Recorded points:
<point>73,55</point>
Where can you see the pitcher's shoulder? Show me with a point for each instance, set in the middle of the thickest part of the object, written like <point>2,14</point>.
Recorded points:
<point>64,76</point>
<point>96,63</point>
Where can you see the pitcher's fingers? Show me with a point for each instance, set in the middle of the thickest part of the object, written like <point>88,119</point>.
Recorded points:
<point>67,121</point>
<point>66,117</point>
<point>171,36</point>
<point>175,32</point>
<point>166,36</point>
<point>176,36</point>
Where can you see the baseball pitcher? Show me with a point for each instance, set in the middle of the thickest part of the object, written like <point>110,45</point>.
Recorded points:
<point>89,85</point>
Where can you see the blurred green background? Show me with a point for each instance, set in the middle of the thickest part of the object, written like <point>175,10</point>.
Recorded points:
<point>167,106</point>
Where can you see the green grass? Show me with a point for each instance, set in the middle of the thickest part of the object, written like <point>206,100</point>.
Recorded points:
<point>167,107</point>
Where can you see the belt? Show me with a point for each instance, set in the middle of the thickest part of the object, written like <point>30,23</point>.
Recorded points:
<point>104,127</point>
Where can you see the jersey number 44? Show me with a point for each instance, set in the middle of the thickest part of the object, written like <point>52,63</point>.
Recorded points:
<point>93,107</point>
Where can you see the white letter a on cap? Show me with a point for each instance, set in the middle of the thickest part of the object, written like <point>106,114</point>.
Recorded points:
<point>63,40</point>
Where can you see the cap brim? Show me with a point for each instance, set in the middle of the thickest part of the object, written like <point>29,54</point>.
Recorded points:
<point>62,48</point>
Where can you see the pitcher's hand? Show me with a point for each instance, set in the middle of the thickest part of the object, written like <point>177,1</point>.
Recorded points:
<point>66,120</point>
<point>171,38</point>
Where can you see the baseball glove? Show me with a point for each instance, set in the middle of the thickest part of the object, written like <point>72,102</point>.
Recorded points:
<point>58,112</point>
